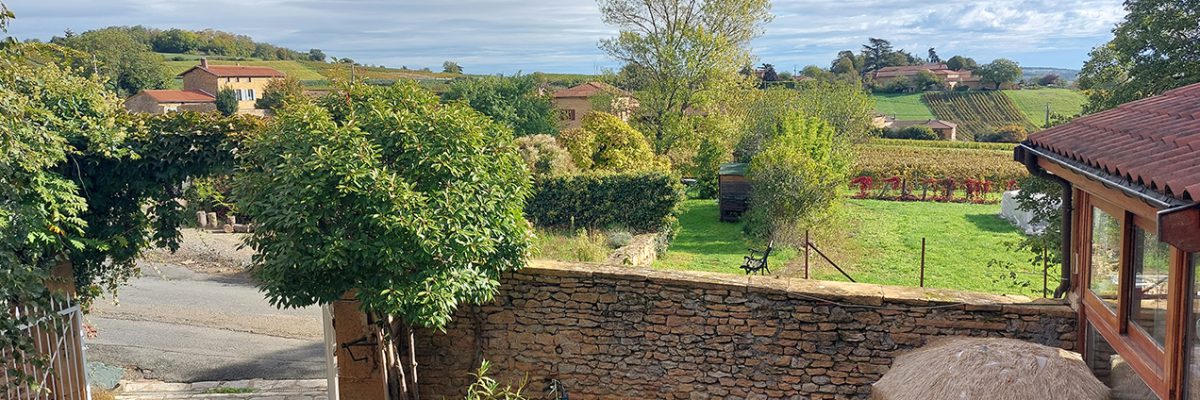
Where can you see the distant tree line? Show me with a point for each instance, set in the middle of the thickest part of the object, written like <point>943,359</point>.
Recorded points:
<point>207,41</point>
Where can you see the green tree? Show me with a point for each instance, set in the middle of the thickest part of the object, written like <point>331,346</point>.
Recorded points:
<point>316,55</point>
<point>515,101</point>
<point>1011,133</point>
<point>925,80</point>
<point>451,67</point>
<point>414,205</point>
<point>915,132</point>
<point>708,162</point>
<point>796,177</point>
<point>175,41</point>
<point>959,63</point>
<point>1153,50</point>
<point>999,72</point>
<point>933,56</point>
<point>126,62</point>
<point>848,108</point>
<point>606,143</point>
<point>227,102</point>
<point>277,91</point>
<point>685,51</point>
<point>544,157</point>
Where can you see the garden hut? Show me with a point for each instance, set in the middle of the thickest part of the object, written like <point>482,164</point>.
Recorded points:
<point>1131,237</point>
<point>733,191</point>
<point>988,368</point>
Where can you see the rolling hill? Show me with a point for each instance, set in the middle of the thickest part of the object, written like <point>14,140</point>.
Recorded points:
<point>975,112</point>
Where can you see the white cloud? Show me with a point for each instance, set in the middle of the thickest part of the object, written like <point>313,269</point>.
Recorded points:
<point>490,36</point>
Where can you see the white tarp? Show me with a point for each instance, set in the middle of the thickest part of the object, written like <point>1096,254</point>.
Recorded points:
<point>1021,218</point>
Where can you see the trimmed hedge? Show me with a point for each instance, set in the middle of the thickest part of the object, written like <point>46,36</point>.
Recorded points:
<point>640,201</point>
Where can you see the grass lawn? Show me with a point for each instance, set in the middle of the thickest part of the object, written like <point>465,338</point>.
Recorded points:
<point>1033,102</point>
<point>704,243</point>
<point>903,106</point>
<point>877,242</point>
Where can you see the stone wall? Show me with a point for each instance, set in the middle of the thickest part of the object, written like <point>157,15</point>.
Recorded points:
<point>611,332</point>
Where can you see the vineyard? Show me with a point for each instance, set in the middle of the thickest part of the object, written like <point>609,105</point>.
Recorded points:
<point>884,160</point>
<point>942,144</point>
<point>975,112</point>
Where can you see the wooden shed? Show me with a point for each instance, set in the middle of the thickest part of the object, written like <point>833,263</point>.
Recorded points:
<point>1131,181</point>
<point>733,191</point>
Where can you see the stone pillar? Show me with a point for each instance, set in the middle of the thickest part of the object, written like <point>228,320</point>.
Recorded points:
<point>360,359</point>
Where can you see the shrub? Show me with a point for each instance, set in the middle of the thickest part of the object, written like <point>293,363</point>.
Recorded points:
<point>641,201</point>
<point>796,177</point>
<point>606,143</point>
<point>277,91</point>
<point>916,132</point>
<point>707,165</point>
<point>619,238</point>
<point>1006,134</point>
<point>544,156</point>
<point>227,102</point>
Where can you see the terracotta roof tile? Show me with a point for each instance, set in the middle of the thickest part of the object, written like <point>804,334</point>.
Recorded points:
<point>179,96</point>
<point>237,71</point>
<point>588,89</point>
<point>1153,141</point>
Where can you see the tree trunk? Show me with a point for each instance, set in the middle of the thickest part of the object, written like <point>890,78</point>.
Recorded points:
<point>397,382</point>
<point>415,390</point>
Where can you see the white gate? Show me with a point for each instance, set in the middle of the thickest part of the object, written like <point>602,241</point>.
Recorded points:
<point>58,335</point>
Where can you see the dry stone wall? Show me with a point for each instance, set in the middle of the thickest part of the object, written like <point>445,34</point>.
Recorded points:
<point>611,332</point>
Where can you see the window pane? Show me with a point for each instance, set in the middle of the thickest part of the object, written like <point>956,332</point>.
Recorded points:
<point>1150,266</point>
<point>1113,370</point>
<point>1106,257</point>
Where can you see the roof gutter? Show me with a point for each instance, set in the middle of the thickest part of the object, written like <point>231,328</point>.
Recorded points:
<point>1022,154</point>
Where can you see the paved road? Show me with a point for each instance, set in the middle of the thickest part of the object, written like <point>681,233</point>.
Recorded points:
<point>178,325</point>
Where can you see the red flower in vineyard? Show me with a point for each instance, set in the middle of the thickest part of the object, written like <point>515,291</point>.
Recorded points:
<point>1011,185</point>
<point>894,181</point>
<point>864,184</point>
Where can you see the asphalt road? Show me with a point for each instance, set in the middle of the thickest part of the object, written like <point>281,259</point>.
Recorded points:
<point>178,325</point>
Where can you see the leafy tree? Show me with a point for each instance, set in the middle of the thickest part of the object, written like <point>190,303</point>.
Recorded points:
<point>1050,79</point>
<point>227,102</point>
<point>708,41</point>
<point>933,56</point>
<point>875,55</point>
<point>277,91</point>
<point>1153,50</point>
<point>707,166</point>
<point>999,72</point>
<point>848,108</point>
<point>316,55</point>
<point>544,157</point>
<point>847,62</point>
<point>925,80</point>
<point>796,177</point>
<point>413,205</point>
<point>606,143</point>
<point>1010,133</point>
<point>128,63</point>
<point>960,63</point>
<point>769,74</point>
<point>175,41</point>
<point>515,101</point>
<point>451,67</point>
<point>915,132</point>
<point>900,84</point>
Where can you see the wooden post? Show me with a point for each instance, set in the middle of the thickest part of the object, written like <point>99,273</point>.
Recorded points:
<point>1045,278</point>
<point>806,245</point>
<point>360,360</point>
<point>201,219</point>
<point>331,372</point>
<point>922,262</point>
<point>213,222</point>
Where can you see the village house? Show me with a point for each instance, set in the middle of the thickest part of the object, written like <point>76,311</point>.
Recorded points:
<point>201,85</point>
<point>951,78</point>
<point>1131,239</point>
<point>575,102</point>
<point>945,129</point>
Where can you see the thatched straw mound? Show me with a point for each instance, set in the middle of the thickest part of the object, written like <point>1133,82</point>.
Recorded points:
<point>996,369</point>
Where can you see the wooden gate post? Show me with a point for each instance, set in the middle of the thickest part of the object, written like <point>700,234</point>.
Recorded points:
<point>360,360</point>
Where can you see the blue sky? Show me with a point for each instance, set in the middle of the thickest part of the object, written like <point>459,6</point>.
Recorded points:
<point>506,36</point>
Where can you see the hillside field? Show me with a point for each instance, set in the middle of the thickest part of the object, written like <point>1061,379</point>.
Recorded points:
<point>1033,102</point>
<point>902,105</point>
<point>976,112</point>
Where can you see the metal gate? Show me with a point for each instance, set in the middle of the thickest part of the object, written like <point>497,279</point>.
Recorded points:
<point>57,335</point>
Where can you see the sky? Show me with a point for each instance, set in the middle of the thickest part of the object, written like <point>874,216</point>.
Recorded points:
<point>509,36</point>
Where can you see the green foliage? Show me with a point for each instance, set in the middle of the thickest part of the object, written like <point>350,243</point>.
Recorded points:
<point>175,41</point>
<point>384,190</point>
<point>277,91</point>
<point>1041,197</point>
<point>606,143</point>
<point>926,80</point>
<point>915,132</point>
<point>899,85</point>
<point>316,55</point>
<point>227,102</point>
<point>680,68</point>
<point>848,107</point>
<point>485,388</point>
<point>1006,134</point>
<point>642,201</point>
<point>544,157</point>
<point>959,63</point>
<point>707,167</point>
<point>999,72</point>
<point>1153,50</point>
<point>451,67</point>
<point>579,245</point>
<point>126,62</point>
<point>945,144</point>
<point>796,177</point>
<point>515,101</point>
<point>976,112</point>
<point>882,159</point>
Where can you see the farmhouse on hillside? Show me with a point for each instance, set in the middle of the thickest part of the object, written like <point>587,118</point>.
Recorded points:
<point>945,129</point>
<point>200,86</point>
<point>575,102</point>
<point>1131,180</point>
<point>951,78</point>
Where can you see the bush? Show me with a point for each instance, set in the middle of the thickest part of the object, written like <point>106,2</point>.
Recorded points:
<point>1006,134</point>
<point>619,238</point>
<point>796,177</point>
<point>604,142</point>
<point>642,201</point>
<point>544,156</point>
<point>227,102</point>
<point>916,132</point>
<point>277,91</point>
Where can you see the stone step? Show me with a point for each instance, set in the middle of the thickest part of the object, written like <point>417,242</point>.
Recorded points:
<point>253,389</point>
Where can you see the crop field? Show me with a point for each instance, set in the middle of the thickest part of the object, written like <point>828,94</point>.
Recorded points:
<point>976,113</point>
<point>1033,103</point>
<point>298,69</point>
<point>881,159</point>
<point>943,144</point>
<point>903,106</point>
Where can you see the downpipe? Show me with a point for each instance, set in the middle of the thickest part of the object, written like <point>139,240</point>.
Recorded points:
<point>1067,209</point>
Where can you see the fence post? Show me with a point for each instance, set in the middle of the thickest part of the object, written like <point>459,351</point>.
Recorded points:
<point>806,245</point>
<point>922,262</point>
<point>1045,266</point>
<point>331,372</point>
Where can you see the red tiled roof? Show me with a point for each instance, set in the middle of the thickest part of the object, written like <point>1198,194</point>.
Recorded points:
<point>179,96</point>
<point>1154,142</point>
<point>237,71</point>
<point>589,89</point>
